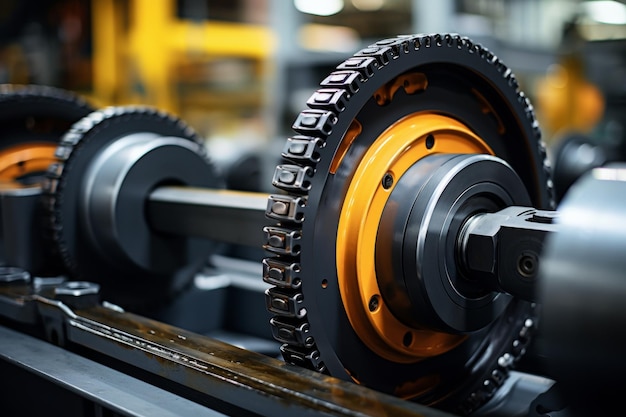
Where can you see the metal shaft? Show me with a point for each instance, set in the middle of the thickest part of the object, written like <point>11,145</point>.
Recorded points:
<point>226,216</point>
<point>501,251</point>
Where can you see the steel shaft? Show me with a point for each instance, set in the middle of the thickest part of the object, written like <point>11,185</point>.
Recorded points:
<point>226,216</point>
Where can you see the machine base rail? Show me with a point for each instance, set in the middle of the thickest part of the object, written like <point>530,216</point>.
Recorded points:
<point>250,382</point>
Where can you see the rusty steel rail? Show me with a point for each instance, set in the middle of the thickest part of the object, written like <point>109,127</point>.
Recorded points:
<point>217,372</point>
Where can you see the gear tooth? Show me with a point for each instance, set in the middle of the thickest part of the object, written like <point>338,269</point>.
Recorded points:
<point>282,241</point>
<point>364,64</point>
<point>293,332</point>
<point>459,41</point>
<point>54,170</point>
<point>417,42</point>
<point>63,151</point>
<point>506,361</point>
<point>498,377</point>
<point>286,208</point>
<point>489,387</point>
<point>53,95</point>
<point>315,122</point>
<point>405,45</point>
<point>438,39</point>
<point>467,44</point>
<point>303,149</point>
<point>427,41</point>
<point>294,178</point>
<point>109,111</point>
<point>512,80</point>
<point>450,39</point>
<point>72,137</point>
<point>282,273</point>
<point>382,54</point>
<point>498,65</point>
<point>348,80</point>
<point>286,303</point>
<point>49,205</point>
<point>399,45</point>
<point>333,99</point>
<point>384,42</point>
<point>309,359</point>
<point>50,185</point>
<point>541,147</point>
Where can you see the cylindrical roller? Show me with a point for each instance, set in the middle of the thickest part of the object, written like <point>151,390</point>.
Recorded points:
<point>221,215</point>
<point>583,292</point>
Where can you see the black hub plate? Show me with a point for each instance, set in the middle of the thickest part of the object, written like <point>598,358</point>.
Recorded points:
<point>130,285</point>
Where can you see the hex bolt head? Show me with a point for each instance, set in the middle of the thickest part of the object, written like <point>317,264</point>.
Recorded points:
<point>78,294</point>
<point>14,275</point>
<point>482,252</point>
<point>481,245</point>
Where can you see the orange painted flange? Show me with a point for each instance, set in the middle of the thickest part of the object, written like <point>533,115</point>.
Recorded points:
<point>21,160</point>
<point>408,140</point>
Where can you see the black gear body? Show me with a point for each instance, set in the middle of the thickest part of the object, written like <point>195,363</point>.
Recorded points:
<point>130,285</point>
<point>36,113</point>
<point>35,117</point>
<point>466,82</point>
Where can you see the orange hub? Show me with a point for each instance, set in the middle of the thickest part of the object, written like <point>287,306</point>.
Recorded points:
<point>22,160</point>
<point>387,159</point>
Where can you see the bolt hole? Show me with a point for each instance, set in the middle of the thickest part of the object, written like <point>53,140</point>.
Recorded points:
<point>387,181</point>
<point>324,283</point>
<point>407,339</point>
<point>430,141</point>
<point>527,265</point>
<point>374,303</point>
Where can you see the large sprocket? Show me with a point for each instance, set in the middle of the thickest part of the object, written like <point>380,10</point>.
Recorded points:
<point>413,87</point>
<point>95,196</point>
<point>33,119</point>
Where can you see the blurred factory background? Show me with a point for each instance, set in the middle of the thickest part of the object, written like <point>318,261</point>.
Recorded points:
<point>239,71</point>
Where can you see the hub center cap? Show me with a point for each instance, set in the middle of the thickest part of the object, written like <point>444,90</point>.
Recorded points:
<point>416,249</point>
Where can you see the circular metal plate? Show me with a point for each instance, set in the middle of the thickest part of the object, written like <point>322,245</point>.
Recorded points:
<point>364,100</point>
<point>107,164</point>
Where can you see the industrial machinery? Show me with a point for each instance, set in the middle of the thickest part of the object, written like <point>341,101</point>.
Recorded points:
<point>414,260</point>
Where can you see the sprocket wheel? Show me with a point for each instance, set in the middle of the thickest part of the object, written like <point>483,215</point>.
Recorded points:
<point>106,166</point>
<point>388,107</point>
<point>33,119</point>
